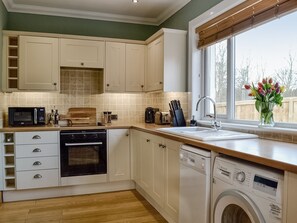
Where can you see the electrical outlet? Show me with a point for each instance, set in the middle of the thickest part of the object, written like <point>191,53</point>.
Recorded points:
<point>114,117</point>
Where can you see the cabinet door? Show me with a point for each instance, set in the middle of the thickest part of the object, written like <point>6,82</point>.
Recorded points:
<point>146,163</point>
<point>290,196</point>
<point>172,178</point>
<point>119,154</point>
<point>158,188</point>
<point>135,68</point>
<point>115,67</point>
<point>38,63</point>
<point>82,53</point>
<point>135,147</point>
<point>154,79</point>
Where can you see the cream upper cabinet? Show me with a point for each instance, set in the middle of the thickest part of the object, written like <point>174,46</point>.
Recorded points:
<point>118,154</point>
<point>115,67</point>
<point>135,67</point>
<point>82,53</point>
<point>166,62</point>
<point>154,78</point>
<point>38,63</point>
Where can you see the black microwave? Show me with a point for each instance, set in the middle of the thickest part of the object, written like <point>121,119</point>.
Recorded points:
<point>26,116</point>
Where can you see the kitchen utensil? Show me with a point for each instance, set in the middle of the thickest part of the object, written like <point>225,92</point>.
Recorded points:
<point>82,116</point>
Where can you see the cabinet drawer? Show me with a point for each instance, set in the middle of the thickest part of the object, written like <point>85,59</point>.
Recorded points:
<point>37,179</point>
<point>36,150</point>
<point>36,137</point>
<point>38,163</point>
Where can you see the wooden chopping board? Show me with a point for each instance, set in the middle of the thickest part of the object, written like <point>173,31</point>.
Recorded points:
<point>82,116</point>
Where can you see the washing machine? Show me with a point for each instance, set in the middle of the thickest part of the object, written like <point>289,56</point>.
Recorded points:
<point>244,192</point>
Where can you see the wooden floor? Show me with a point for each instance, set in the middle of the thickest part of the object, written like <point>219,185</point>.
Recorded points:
<point>123,206</point>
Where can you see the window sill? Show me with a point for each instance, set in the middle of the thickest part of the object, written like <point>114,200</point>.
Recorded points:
<point>271,133</point>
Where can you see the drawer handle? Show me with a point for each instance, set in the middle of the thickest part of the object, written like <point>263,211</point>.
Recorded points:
<point>36,137</point>
<point>37,176</point>
<point>37,150</point>
<point>37,163</point>
<point>148,140</point>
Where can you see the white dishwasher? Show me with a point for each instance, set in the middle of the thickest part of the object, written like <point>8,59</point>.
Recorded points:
<point>194,185</point>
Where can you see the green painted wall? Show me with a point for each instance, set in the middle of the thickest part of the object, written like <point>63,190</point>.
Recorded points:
<point>194,8</point>
<point>86,27</point>
<point>3,23</point>
<point>65,25</point>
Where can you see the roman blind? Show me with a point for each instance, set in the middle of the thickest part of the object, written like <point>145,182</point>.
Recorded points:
<point>242,17</point>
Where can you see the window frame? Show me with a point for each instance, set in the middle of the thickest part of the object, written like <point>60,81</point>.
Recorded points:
<point>197,65</point>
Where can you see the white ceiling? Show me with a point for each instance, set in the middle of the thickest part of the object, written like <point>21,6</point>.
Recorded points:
<point>152,12</point>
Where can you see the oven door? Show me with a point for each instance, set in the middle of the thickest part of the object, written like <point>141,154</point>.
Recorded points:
<point>83,158</point>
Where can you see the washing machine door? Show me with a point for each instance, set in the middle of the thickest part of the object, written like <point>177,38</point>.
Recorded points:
<point>234,206</point>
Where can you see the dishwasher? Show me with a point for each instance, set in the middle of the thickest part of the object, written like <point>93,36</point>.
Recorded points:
<point>194,185</point>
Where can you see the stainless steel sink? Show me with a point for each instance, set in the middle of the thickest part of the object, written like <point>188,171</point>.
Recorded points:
<point>207,134</point>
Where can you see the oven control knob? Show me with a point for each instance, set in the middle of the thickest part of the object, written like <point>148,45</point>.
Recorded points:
<point>240,176</point>
<point>72,136</point>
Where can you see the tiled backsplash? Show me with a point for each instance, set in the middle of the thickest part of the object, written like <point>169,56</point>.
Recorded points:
<point>79,89</point>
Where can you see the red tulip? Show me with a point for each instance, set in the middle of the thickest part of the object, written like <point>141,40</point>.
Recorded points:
<point>247,86</point>
<point>260,85</point>
<point>270,81</point>
<point>264,81</point>
<point>276,85</point>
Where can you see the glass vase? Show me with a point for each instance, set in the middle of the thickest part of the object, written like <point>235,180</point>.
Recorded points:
<point>266,114</point>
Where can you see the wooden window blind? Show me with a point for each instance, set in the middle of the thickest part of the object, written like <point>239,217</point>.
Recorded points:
<point>242,17</point>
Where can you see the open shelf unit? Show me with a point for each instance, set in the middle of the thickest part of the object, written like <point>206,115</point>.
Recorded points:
<point>13,62</point>
<point>9,161</point>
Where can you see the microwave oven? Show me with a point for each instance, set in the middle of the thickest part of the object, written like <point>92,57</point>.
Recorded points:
<point>26,116</point>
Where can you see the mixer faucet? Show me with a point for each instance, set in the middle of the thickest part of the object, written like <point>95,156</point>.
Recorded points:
<point>215,124</point>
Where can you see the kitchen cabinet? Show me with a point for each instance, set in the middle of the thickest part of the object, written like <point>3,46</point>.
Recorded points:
<point>156,170</point>
<point>135,67</point>
<point>38,63</point>
<point>118,154</point>
<point>10,68</point>
<point>7,171</point>
<point>125,67</point>
<point>290,198</point>
<point>37,159</point>
<point>115,67</point>
<point>82,53</point>
<point>166,61</point>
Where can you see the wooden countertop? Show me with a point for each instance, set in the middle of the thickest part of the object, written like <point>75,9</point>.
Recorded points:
<point>275,154</point>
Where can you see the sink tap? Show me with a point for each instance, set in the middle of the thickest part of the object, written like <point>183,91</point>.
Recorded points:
<point>215,124</point>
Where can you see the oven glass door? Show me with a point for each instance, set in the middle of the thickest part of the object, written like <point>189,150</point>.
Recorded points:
<point>86,158</point>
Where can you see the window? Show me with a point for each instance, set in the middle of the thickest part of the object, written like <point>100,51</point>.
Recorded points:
<point>269,50</point>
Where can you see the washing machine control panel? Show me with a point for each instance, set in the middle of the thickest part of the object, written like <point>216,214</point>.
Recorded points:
<point>240,176</point>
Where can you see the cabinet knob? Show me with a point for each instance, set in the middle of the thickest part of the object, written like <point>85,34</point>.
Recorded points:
<point>160,82</point>
<point>160,145</point>
<point>36,137</point>
<point>148,140</point>
<point>37,150</point>
<point>55,84</point>
<point>37,176</point>
<point>163,146</point>
<point>82,64</point>
<point>37,163</point>
<point>127,134</point>
<point>107,85</point>
<point>142,86</point>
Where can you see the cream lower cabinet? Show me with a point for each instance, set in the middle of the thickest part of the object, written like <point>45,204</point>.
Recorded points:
<point>37,159</point>
<point>82,53</point>
<point>290,198</point>
<point>155,162</point>
<point>38,63</point>
<point>118,154</point>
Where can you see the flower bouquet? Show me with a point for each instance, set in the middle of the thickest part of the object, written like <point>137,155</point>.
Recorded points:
<point>267,94</point>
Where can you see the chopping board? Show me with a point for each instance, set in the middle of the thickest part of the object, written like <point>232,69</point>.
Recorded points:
<point>82,116</point>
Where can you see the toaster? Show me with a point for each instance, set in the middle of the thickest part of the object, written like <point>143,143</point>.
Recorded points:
<point>162,118</point>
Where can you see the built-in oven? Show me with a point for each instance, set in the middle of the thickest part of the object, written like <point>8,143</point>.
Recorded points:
<point>83,156</point>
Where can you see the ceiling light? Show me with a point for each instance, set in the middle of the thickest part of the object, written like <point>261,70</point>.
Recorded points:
<point>135,1</point>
